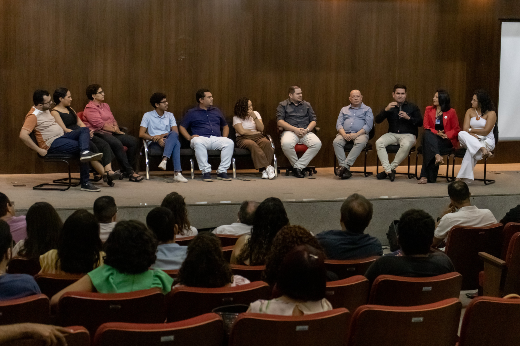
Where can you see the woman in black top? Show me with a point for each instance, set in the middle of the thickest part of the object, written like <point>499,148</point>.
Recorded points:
<point>68,120</point>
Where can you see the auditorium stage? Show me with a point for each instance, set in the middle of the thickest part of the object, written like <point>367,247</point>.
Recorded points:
<point>313,203</point>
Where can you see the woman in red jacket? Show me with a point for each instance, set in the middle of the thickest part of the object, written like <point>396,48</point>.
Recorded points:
<point>441,129</point>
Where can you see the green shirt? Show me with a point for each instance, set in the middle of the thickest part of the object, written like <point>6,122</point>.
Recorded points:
<point>107,279</point>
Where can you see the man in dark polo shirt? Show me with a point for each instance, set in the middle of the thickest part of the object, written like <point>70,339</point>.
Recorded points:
<point>205,123</point>
<point>350,242</point>
<point>297,119</point>
<point>404,118</point>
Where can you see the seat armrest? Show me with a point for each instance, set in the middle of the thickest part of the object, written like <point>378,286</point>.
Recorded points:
<point>494,274</point>
<point>492,260</point>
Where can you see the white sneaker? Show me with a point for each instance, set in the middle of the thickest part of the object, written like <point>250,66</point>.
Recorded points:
<point>179,178</point>
<point>271,172</point>
<point>264,174</point>
<point>162,165</point>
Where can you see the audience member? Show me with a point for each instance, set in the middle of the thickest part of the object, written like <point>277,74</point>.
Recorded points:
<point>249,127</point>
<point>416,229</point>
<point>460,212</point>
<point>513,215</point>
<point>170,255</point>
<point>105,210</point>
<point>355,122</point>
<point>51,139</point>
<point>404,119</point>
<point>177,205</point>
<point>79,246</point>
<point>270,217</point>
<point>99,118</point>
<point>12,286</point>
<point>284,242</point>
<point>159,129</point>
<point>205,265</point>
<point>209,131</point>
<point>17,224</point>
<point>300,286</point>
<point>43,227</point>
<point>351,242</point>
<point>246,216</point>
<point>49,335</point>
<point>297,119</point>
<point>130,251</point>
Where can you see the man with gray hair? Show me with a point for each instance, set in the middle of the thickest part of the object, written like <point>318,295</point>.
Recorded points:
<point>246,215</point>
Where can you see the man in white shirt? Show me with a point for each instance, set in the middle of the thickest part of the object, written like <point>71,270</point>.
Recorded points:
<point>246,215</point>
<point>460,212</point>
<point>105,210</point>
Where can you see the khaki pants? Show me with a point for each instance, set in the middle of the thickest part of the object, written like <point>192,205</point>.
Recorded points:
<point>260,147</point>
<point>405,140</point>
<point>289,141</point>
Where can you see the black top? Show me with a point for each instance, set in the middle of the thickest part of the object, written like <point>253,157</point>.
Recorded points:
<point>439,123</point>
<point>512,215</point>
<point>69,119</point>
<point>298,115</point>
<point>400,125</point>
<point>344,245</point>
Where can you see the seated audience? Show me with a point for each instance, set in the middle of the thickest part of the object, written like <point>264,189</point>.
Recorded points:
<point>170,255</point>
<point>105,210</point>
<point>177,205</point>
<point>12,286</point>
<point>513,215</point>
<point>416,229</point>
<point>66,117</point>
<point>270,217</point>
<point>300,285</point>
<point>246,216</point>
<point>284,242</point>
<point>99,118</point>
<point>43,227</point>
<point>130,251</point>
<point>17,224</point>
<point>205,265</point>
<point>460,212</point>
<point>249,127</point>
<point>49,335</point>
<point>351,242</point>
<point>79,246</point>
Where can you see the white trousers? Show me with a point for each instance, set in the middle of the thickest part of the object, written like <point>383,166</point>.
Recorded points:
<point>289,141</point>
<point>473,153</point>
<point>201,145</point>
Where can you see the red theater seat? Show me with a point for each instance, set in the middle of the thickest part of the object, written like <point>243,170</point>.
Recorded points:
<point>34,309</point>
<point>347,268</point>
<point>348,293</point>
<point>78,336</point>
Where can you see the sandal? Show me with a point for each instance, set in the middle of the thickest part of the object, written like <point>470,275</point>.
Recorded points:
<point>115,175</point>
<point>135,178</point>
<point>423,180</point>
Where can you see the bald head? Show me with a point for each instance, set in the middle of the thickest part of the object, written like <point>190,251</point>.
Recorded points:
<point>246,214</point>
<point>355,98</point>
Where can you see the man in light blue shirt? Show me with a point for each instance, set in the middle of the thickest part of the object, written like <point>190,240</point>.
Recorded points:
<point>354,124</point>
<point>159,128</point>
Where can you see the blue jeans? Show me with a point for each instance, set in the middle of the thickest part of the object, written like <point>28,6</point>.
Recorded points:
<point>172,149</point>
<point>74,142</point>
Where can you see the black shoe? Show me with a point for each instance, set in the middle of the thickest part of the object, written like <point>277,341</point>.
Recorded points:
<point>87,156</point>
<point>298,173</point>
<point>346,174</point>
<point>89,187</point>
<point>381,175</point>
<point>392,175</point>
<point>340,171</point>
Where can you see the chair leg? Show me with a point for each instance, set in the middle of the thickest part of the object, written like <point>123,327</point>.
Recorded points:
<point>234,168</point>
<point>377,164</point>
<point>58,182</point>
<point>335,163</point>
<point>485,180</point>
<point>275,161</point>
<point>416,163</point>
<point>448,168</point>
<point>192,169</point>
<point>410,176</point>
<point>147,163</point>
<point>453,169</point>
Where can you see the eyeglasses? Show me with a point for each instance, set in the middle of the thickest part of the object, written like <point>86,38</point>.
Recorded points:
<point>101,92</point>
<point>163,102</point>
<point>48,103</point>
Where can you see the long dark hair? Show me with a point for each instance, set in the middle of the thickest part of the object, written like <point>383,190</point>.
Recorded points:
<point>444,100</point>
<point>270,217</point>
<point>242,108</point>
<point>177,205</point>
<point>79,244</point>
<point>43,227</point>
<point>484,101</point>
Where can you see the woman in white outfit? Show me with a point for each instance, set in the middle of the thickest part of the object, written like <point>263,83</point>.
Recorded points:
<point>477,133</point>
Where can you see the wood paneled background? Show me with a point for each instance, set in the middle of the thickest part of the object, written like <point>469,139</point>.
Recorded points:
<point>253,48</point>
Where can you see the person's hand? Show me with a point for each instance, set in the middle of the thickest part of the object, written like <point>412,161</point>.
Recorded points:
<point>193,137</point>
<point>161,142</point>
<point>451,209</point>
<point>156,138</point>
<point>354,136</point>
<point>42,152</point>
<point>119,132</point>
<point>402,114</point>
<point>441,134</point>
<point>299,132</point>
<point>69,130</point>
<point>91,134</point>
<point>391,105</point>
<point>51,335</point>
<point>252,114</point>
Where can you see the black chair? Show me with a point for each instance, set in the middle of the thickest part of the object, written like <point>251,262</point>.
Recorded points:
<point>448,153</point>
<point>300,150</point>
<point>393,149</point>
<point>368,147</point>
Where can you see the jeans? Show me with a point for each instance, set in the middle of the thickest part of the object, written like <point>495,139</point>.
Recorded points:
<point>289,141</point>
<point>172,149</point>
<point>74,142</point>
<point>405,140</point>
<point>339,149</point>
<point>201,145</point>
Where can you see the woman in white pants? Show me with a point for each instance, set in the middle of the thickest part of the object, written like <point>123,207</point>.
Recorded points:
<point>477,133</point>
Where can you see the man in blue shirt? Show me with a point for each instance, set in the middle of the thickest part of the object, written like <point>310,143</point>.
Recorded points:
<point>159,128</point>
<point>354,124</point>
<point>205,123</point>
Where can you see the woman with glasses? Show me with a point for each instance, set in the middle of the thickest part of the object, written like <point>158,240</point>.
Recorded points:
<point>99,118</point>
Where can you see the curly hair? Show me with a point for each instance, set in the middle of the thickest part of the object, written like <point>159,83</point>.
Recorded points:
<point>242,108</point>
<point>131,247</point>
<point>286,240</point>
<point>484,101</point>
<point>205,265</point>
<point>92,89</point>
<point>270,217</point>
<point>177,205</point>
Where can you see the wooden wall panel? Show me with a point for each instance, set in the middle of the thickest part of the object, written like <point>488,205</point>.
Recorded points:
<point>244,48</point>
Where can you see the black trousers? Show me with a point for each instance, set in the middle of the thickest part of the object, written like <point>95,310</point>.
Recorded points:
<point>98,145</point>
<point>116,143</point>
<point>432,145</point>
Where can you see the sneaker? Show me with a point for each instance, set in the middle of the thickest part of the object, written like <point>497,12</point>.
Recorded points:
<point>206,177</point>
<point>179,178</point>
<point>89,187</point>
<point>90,156</point>
<point>223,176</point>
<point>381,175</point>
<point>271,173</point>
<point>162,165</point>
<point>264,174</point>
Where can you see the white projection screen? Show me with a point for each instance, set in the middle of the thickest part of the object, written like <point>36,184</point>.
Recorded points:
<point>509,89</point>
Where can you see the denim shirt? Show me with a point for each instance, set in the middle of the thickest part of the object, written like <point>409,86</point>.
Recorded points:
<point>352,119</point>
